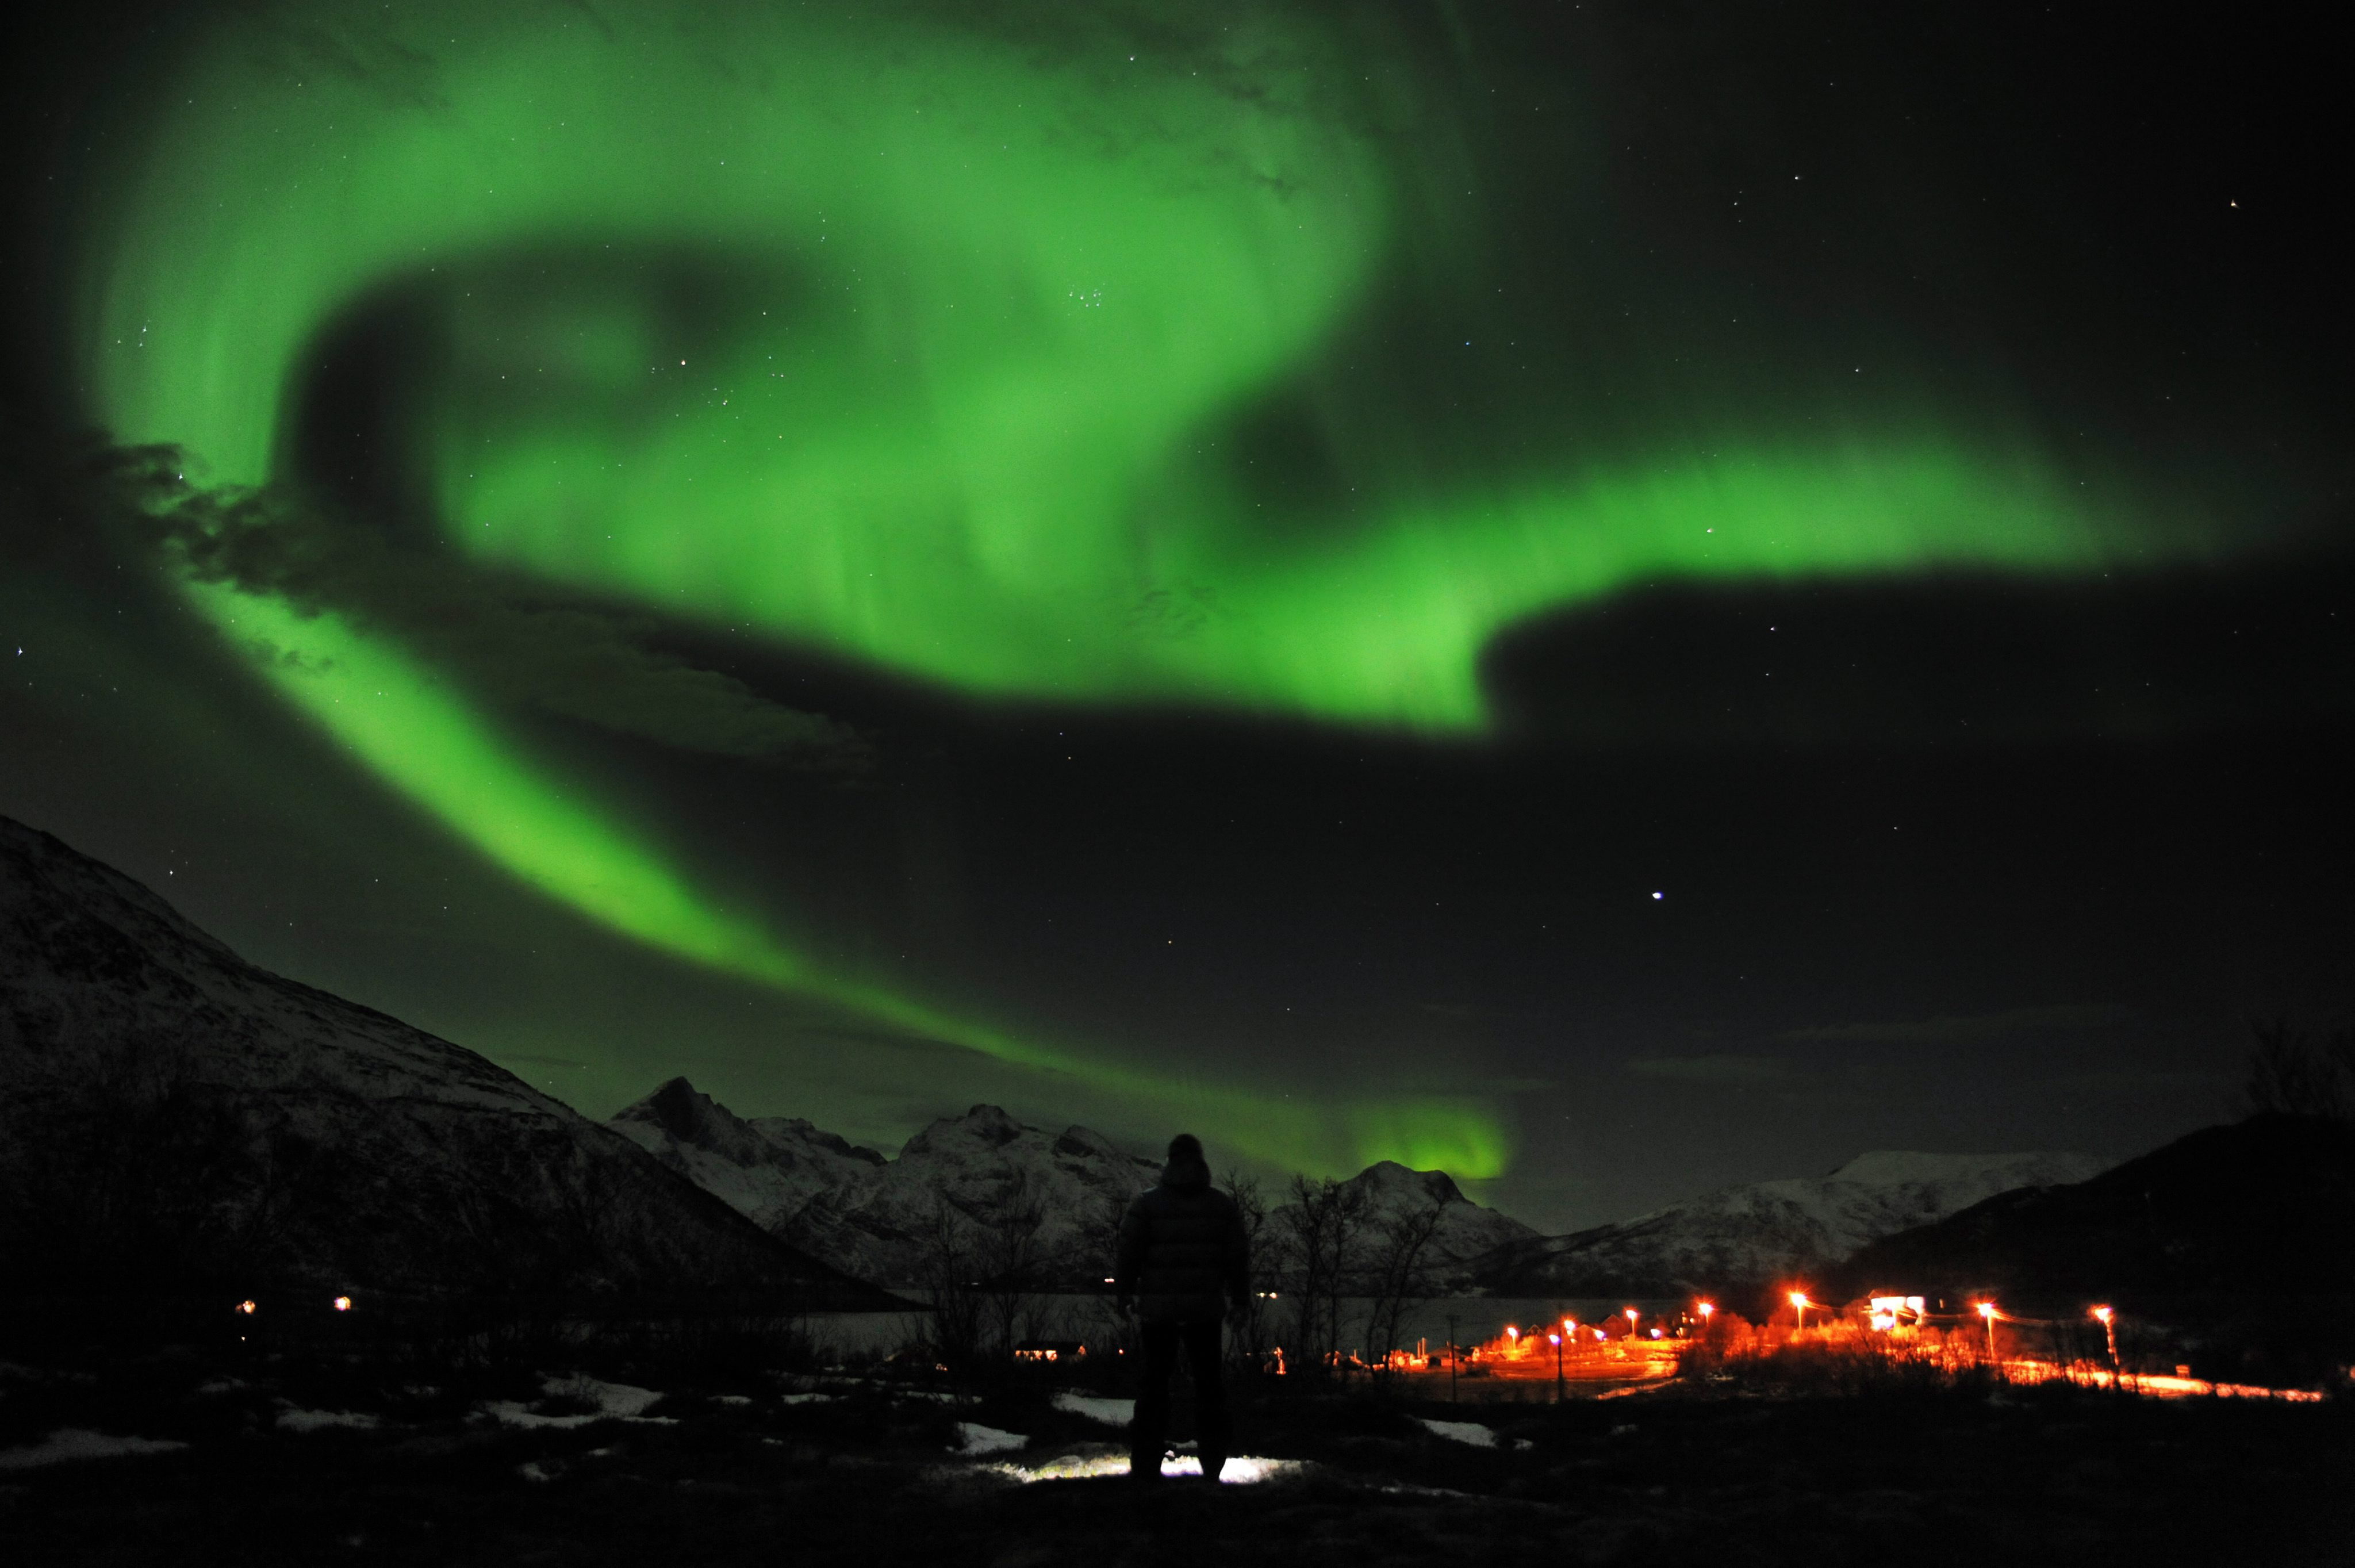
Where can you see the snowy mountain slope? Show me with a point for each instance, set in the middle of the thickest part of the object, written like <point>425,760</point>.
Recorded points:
<point>960,1187</point>
<point>880,1219</point>
<point>1756,1234</point>
<point>168,1107</point>
<point>766,1169</point>
<point>1386,1194</point>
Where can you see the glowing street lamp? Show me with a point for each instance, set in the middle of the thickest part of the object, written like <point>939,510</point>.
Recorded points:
<point>1631,1322</point>
<point>1987,1310</point>
<point>343,1304</point>
<point>1799,1299</point>
<point>1707,1309</point>
<point>245,1307</point>
<point>1557,1367</point>
<point>2109,1322</point>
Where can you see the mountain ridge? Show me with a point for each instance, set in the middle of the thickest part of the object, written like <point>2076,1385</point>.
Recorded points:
<point>1752,1234</point>
<point>171,1110</point>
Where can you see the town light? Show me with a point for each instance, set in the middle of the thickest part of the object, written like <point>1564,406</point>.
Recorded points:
<point>1987,1310</point>
<point>1799,1300</point>
<point>2109,1322</point>
<point>1705,1309</point>
<point>343,1304</point>
<point>1553,1338</point>
<point>247,1307</point>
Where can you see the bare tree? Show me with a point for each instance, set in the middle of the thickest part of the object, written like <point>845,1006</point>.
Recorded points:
<point>1248,1343</point>
<point>952,1275</point>
<point>1397,1272</point>
<point>1098,1322</point>
<point>1010,1265</point>
<point>1320,1248</point>
<point>2290,1072</point>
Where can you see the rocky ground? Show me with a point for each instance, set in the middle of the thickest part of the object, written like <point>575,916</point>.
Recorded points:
<point>336,1460</point>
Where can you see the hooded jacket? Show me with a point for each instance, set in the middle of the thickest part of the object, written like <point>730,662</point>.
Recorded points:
<point>1183,1256</point>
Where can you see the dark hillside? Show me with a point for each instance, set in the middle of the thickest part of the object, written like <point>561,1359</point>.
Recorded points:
<point>172,1116</point>
<point>2261,1207</point>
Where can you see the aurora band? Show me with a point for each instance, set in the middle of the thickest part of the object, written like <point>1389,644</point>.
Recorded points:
<point>968,309</point>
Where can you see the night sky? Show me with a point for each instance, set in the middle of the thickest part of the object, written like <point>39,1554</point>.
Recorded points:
<point>1614,599</point>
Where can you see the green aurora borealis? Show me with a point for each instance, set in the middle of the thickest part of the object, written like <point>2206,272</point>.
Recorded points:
<point>970,314</point>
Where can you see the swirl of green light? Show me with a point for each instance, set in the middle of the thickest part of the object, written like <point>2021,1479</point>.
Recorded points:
<point>981,303</point>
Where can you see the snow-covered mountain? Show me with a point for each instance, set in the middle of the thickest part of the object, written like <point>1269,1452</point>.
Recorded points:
<point>961,1193</point>
<point>1746,1236</point>
<point>768,1169</point>
<point>170,1110</point>
<point>1385,1196</point>
<point>883,1219</point>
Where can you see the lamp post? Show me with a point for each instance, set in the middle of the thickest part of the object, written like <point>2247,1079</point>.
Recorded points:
<point>1706,1309</point>
<point>1799,1301</point>
<point>2109,1322</point>
<point>1987,1310</point>
<point>1557,1367</point>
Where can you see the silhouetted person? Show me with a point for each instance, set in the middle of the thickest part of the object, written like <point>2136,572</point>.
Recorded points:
<point>1183,1262</point>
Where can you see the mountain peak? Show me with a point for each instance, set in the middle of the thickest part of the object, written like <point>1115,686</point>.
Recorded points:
<point>988,1125</point>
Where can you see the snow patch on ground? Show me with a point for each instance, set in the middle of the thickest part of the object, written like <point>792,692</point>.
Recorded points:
<point>1242,1470</point>
<point>614,1402</point>
<point>612,1399</point>
<point>320,1420</point>
<point>1110,1412</point>
<point>1471,1431</point>
<point>71,1442</point>
<point>975,1439</point>
<point>807,1398</point>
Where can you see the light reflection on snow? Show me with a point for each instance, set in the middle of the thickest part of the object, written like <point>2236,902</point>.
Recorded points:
<point>975,1438</point>
<point>1470,1432</point>
<point>1242,1470</point>
<point>1110,1412</point>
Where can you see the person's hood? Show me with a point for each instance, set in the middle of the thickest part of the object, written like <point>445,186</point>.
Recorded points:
<point>1186,1173</point>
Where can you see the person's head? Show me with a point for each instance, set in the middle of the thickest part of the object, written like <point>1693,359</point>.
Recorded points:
<point>1184,1146</point>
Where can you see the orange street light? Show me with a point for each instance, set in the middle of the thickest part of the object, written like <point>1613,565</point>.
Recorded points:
<point>247,1307</point>
<point>2109,1322</point>
<point>343,1304</point>
<point>1987,1310</point>
<point>1557,1367</point>
<point>1800,1302</point>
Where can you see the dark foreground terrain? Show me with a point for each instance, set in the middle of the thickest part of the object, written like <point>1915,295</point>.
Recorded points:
<point>329,1461</point>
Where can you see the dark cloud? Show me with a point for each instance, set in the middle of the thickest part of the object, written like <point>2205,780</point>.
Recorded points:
<point>520,643</point>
